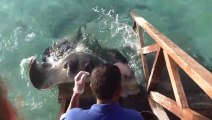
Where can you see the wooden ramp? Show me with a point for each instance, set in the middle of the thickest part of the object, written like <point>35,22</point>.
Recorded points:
<point>168,55</point>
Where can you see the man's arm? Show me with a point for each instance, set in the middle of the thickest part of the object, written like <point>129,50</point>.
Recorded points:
<point>74,103</point>
<point>78,89</point>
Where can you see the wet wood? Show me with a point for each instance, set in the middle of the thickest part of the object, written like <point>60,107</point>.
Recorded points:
<point>197,72</point>
<point>143,57</point>
<point>176,82</point>
<point>65,94</point>
<point>158,110</point>
<point>156,71</point>
<point>174,57</point>
<point>149,49</point>
<point>171,105</point>
<point>63,103</point>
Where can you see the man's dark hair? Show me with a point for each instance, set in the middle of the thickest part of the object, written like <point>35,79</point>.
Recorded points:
<point>105,80</point>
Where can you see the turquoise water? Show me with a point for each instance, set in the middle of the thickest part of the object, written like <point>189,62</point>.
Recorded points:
<point>29,26</point>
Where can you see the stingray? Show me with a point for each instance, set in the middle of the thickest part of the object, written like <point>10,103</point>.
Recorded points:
<point>61,62</point>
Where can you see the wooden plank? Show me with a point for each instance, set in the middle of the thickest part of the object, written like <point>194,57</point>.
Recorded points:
<point>156,71</point>
<point>171,105</point>
<point>143,57</point>
<point>196,71</point>
<point>149,49</point>
<point>176,81</point>
<point>158,110</point>
<point>166,103</point>
<point>63,103</point>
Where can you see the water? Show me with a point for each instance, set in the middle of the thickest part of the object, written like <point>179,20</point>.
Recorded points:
<point>28,27</point>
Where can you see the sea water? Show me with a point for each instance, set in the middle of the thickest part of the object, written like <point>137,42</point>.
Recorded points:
<point>27,27</point>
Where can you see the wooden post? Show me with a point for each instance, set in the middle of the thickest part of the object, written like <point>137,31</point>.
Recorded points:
<point>63,104</point>
<point>169,104</point>
<point>176,82</point>
<point>158,110</point>
<point>143,57</point>
<point>156,71</point>
<point>149,49</point>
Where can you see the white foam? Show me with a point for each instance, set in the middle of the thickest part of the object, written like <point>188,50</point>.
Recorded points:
<point>80,48</point>
<point>118,27</point>
<point>120,30</point>
<point>29,37</point>
<point>25,62</point>
<point>51,59</point>
<point>32,104</point>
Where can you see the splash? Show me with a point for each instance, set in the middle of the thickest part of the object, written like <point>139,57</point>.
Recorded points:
<point>80,47</point>
<point>30,103</point>
<point>120,30</point>
<point>29,37</point>
<point>25,62</point>
<point>119,27</point>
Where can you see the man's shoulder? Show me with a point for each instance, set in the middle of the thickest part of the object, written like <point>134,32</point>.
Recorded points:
<point>75,112</point>
<point>81,114</point>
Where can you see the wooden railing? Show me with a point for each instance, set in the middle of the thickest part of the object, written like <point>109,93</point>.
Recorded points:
<point>169,54</point>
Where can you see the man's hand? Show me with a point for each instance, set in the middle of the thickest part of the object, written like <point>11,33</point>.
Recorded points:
<point>79,80</point>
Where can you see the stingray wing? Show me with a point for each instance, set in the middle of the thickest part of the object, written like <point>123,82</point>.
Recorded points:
<point>44,76</point>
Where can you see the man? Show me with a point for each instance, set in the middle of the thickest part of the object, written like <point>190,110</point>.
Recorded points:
<point>7,111</point>
<point>106,87</point>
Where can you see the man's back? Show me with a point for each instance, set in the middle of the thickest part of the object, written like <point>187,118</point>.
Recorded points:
<point>103,112</point>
